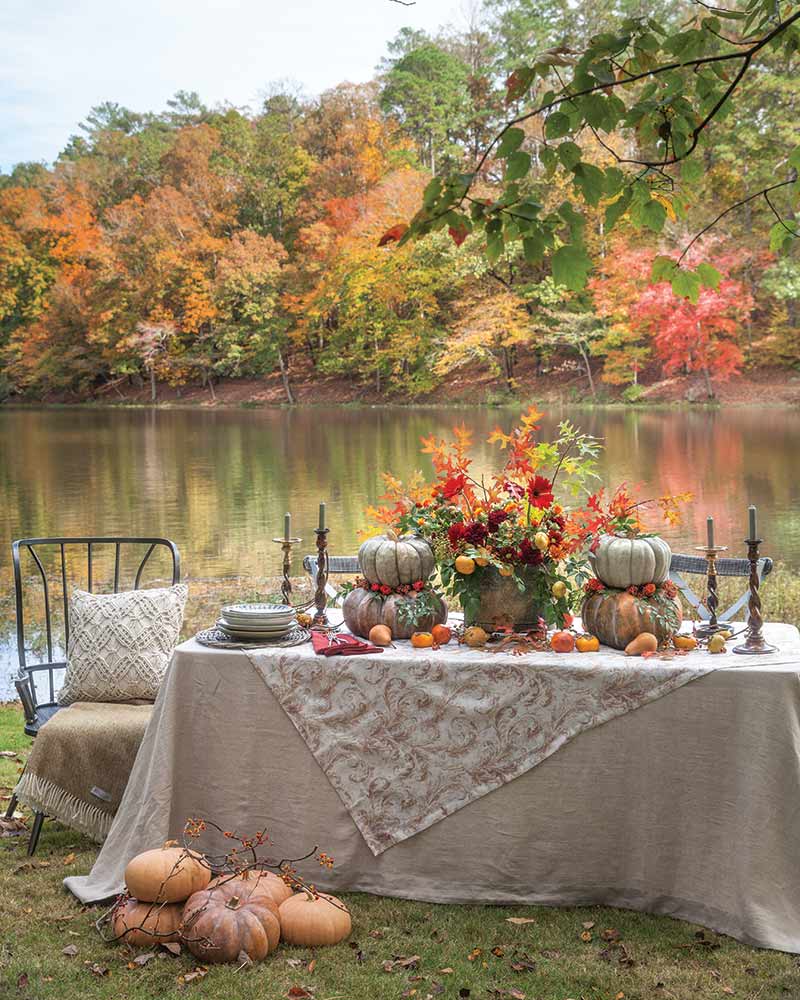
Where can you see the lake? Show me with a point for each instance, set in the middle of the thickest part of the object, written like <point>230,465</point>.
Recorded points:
<point>218,482</point>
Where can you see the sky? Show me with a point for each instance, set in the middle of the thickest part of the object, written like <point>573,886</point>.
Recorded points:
<point>58,58</point>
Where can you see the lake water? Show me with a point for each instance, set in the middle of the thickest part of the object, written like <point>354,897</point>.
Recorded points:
<point>218,482</point>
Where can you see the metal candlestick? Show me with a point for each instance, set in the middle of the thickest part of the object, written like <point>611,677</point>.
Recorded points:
<point>712,626</point>
<point>286,545</point>
<point>754,643</point>
<point>320,596</point>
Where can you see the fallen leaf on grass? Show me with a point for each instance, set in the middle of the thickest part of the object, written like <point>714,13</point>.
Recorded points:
<point>12,827</point>
<point>69,859</point>
<point>294,963</point>
<point>610,934</point>
<point>520,920</point>
<point>22,981</point>
<point>244,960</point>
<point>498,952</point>
<point>173,947</point>
<point>141,960</point>
<point>588,925</point>
<point>401,962</point>
<point>70,951</point>
<point>9,754</point>
<point>97,970</point>
<point>410,992</point>
<point>523,963</point>
<point>550,953</point>
<point>377,933</point>
<point>300,992</point>
<point>446,972</point>
<point>312,965</point>
<point>474,954</point>
<point>190,977</point>
<point>586,936</point>
<point>729,990</point>
<point>511,994</point>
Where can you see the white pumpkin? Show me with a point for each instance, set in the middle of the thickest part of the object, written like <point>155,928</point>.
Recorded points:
<point>393,560</point>
<point>630,562</point>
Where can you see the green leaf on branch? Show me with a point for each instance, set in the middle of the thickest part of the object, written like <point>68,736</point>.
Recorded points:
<point>519,82</point>
<point>510,143</point>
<point>691,171</point>
<point>518,165</point>
<point>571,266</point>
<point>569,153</point>
<point>653,215</point>
<point>557,125</point>
<point>617,209</point>
<point>709,275</point>
<point>590,180</point>
<point>663,269</point>
<point>778,236</point>
<point>686,285</point>
<point>533,248</point>
<point>794,158</point>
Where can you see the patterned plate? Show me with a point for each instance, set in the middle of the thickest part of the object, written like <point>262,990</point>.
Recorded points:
<point>218,639</point>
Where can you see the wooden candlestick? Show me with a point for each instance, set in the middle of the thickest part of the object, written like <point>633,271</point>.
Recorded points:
<point>320,597</point>
<point>711,551</point>
<point>286,545</point>
<point>755,642</point>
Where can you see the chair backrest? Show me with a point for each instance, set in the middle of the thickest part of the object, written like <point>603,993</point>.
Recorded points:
<point>697,565</point>
<point>52,559</point>
<point>343,565</point>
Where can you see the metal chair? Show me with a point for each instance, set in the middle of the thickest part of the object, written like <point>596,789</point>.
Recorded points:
<point>697,565</point>
<point>337,565</point>
<point>39,707</point>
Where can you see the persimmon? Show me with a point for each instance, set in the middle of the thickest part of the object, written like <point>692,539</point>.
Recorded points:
<point>441,635</point>
<point>506,571</point>
<point>465,565</point>
<point>562,642</point>
<point>587,644</point>
<point>684,642</point>
<point>422,640</point>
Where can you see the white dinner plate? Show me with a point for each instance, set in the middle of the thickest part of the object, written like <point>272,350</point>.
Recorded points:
<point>257,611</point>
<point>253,629</point>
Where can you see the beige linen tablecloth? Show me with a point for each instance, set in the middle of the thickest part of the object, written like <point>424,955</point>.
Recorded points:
<point>689,805</point>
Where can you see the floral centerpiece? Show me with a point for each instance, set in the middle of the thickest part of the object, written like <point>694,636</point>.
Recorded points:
<point>508,546</point>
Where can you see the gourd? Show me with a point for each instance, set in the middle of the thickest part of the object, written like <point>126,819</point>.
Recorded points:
<point>143,924</point>
<point>266,883</point>
<point>220,923</point>
<point>617,617</point>
<point>168,874</point>
<point>624,562</point>
<point>311,920</point>
<point>364,609</point>
<point>645,642</point>
<point>392,560</point>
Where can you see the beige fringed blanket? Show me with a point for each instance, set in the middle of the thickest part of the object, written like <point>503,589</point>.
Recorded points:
<point>80,763</point>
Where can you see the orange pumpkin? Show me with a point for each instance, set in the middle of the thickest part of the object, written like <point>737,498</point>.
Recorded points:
<point>422,640</point>
<point>441,635</point>
<point>169,874</point>
<point>220,923</point>
<point>143,924</point>
<point>267,883</point>
<point>587,644</point>
<point>562,642</point>
<point>617,617</point>
<point>312,920</point>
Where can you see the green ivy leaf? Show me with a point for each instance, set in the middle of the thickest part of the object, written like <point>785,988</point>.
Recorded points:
<point>571,266</point>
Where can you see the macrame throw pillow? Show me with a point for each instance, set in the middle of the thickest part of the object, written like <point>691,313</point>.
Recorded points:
<point>120,645</point>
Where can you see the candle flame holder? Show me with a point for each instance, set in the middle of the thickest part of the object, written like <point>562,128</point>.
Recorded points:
<point>754,642</point>
<point>712,626</point>
<point>320,595</point>
<point>286,586</point>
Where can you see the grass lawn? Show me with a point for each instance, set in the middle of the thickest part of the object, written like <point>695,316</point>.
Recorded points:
<point>583,953</point>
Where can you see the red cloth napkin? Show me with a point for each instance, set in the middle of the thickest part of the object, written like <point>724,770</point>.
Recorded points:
<point>341,644</point>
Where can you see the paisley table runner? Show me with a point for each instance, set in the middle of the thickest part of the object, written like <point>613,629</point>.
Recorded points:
<point>411,736</point>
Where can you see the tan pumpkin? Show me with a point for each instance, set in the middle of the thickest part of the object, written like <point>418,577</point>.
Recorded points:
<point>393,560</point>
<point>220,923</point>
<point>259,882</point>
<point>143,924</point>
<point>168,874</point>
<point>364,609</point>
<point>630,562</point>
<point>617,617</point>
<point>312,920</point>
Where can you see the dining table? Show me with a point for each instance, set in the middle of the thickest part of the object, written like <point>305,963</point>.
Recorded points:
<point>668,784</point>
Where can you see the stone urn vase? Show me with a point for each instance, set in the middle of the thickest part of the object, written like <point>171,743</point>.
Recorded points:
<point>502,603</point>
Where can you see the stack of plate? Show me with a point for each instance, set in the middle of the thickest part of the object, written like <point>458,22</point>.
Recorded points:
<point>256,622</point>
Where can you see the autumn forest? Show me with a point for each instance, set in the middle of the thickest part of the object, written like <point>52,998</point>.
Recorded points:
<point>199,245</point>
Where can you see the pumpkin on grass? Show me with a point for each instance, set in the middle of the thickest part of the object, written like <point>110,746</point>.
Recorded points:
<point>311,920</point>
<point>169,874</point>
<point>255,882</point>
<point>220,923</point>
<point>144,924</point>
<point>393,560</point>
